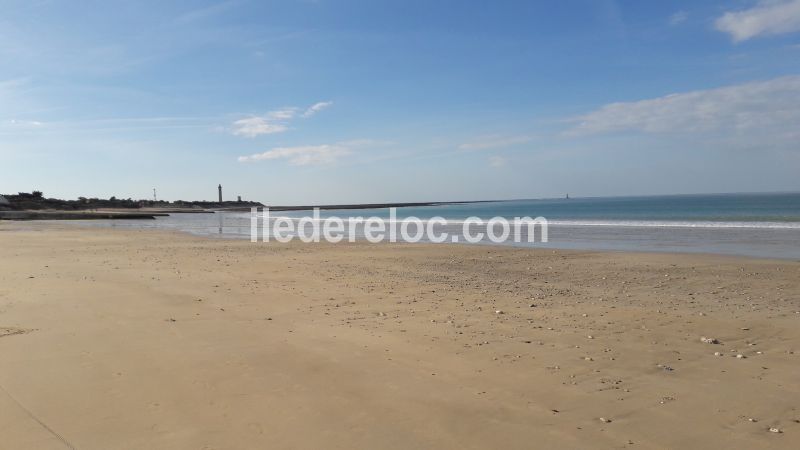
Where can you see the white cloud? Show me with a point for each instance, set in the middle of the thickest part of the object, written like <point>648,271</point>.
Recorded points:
<point>494,141</point>
<point>762,107</point>
<point>304,155</point>
<point>283,113</point>
<point>276,121</point>
<point>497,161</point>
<point>678,18</point>
<point>25,123</point>
<point>767,17</point>
<point>17,125</point>
<point>256,126</point>
<point>315,108</point>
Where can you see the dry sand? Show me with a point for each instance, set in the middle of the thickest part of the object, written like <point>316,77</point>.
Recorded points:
<point>114,339</point>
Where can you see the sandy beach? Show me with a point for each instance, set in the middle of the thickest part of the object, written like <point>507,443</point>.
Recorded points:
<point>126,339</point>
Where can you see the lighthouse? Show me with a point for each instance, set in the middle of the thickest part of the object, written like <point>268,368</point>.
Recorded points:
<point>220,193</point>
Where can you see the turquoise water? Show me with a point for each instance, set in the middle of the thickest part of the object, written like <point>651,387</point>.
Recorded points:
<point>720,210</point>
<point>763,225</point>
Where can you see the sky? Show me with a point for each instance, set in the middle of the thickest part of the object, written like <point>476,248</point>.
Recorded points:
<point>345,101</point>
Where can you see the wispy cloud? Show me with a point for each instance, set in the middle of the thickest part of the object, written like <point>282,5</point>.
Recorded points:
<point>678,18</point>
<point>104,125</point>
<point>20,126</point>
<point>308,155</point>
<point>20,110</point>
<point>762,106</point>
<point>276,121</point>
<point>767,17</point>
<point>24,123</point>
<point>283,114</point>
<point>315,108</point>
<point>303,155</point>
<point>494,141</point>
<point>256,126</point>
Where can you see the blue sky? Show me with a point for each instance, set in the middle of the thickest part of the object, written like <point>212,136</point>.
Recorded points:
<point>366,101</point>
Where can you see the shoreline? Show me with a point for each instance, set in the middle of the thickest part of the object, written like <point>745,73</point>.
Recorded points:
<point>47,225</point>
<point>614,244</point>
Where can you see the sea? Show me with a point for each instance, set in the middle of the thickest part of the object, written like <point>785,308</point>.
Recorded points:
<point>760,224</point>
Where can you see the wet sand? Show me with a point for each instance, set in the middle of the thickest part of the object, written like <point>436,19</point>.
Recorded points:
<point>131,339</point>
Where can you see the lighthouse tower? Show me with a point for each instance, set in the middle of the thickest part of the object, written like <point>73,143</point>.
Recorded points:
<point>220,193</point>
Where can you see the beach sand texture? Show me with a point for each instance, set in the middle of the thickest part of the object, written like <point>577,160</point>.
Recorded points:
<point>113,339</point>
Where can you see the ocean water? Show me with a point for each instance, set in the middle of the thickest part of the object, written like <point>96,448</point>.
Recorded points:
<point>763,225</point>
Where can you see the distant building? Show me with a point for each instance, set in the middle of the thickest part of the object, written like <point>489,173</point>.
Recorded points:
<point>4,201</point>
<point>239,199</point>
<point>220,193</point>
